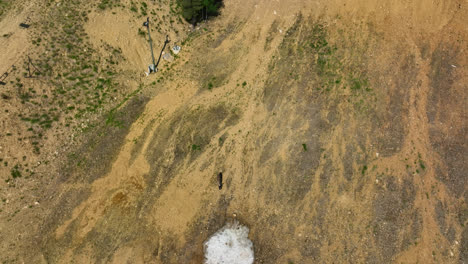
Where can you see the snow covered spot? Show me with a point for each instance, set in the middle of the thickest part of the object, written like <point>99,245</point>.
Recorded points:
<point>229,245</point>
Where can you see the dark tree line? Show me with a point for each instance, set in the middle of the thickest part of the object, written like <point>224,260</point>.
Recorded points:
<point>197,10</point>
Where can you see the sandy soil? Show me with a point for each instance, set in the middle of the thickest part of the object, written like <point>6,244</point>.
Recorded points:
<point>339,127</point>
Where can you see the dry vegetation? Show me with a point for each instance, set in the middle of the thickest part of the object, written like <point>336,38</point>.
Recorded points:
<point>339,128</point>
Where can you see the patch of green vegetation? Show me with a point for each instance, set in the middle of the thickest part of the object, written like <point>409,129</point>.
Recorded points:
<point>197,10</point>
<point>4,6</point>
<point>212,82</point>
<point>112,120</point>
<point>141,33</point>
<point>80,81</point>
<point>364,169</point>
<point>44,121</point>
<point>304,147</point>
<point>357,84</point>
<point>15,172</point>
<point>421,164</point>
<point>144,9</point>
<point>328,73</point>
<point>196,147</point>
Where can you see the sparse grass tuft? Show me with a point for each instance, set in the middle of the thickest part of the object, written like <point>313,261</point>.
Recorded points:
<point>364,169</point>
<point>195,147</point>
<point>15,173</point>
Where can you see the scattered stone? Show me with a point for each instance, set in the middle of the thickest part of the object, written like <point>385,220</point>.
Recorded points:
<point>168,57</point>
<point>176,49</point>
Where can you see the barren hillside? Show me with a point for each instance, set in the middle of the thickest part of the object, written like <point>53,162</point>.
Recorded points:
<point>339,127</point>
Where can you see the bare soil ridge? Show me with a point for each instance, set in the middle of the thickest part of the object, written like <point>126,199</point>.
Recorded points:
<point>340,129</point>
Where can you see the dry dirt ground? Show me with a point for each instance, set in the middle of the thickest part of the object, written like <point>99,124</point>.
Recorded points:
<point>339,126</point>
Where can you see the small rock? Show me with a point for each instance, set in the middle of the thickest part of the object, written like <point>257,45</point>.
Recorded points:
<point>168,57</point>
<point>176,49</point>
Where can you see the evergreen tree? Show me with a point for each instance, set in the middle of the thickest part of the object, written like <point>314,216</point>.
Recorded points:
<point>211,6</point>
<point>196,10</point>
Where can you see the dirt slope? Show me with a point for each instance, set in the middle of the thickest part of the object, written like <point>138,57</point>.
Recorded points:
<point>339,126</point>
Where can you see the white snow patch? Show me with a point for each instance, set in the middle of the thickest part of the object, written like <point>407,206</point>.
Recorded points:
<point>229,245</point>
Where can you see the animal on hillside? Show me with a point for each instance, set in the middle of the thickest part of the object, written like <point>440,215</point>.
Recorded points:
<point>220,180</point>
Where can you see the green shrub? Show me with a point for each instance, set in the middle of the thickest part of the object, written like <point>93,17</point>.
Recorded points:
<point>15,173</point>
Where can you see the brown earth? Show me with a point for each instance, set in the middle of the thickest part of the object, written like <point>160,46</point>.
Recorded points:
<point>339,126</point>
